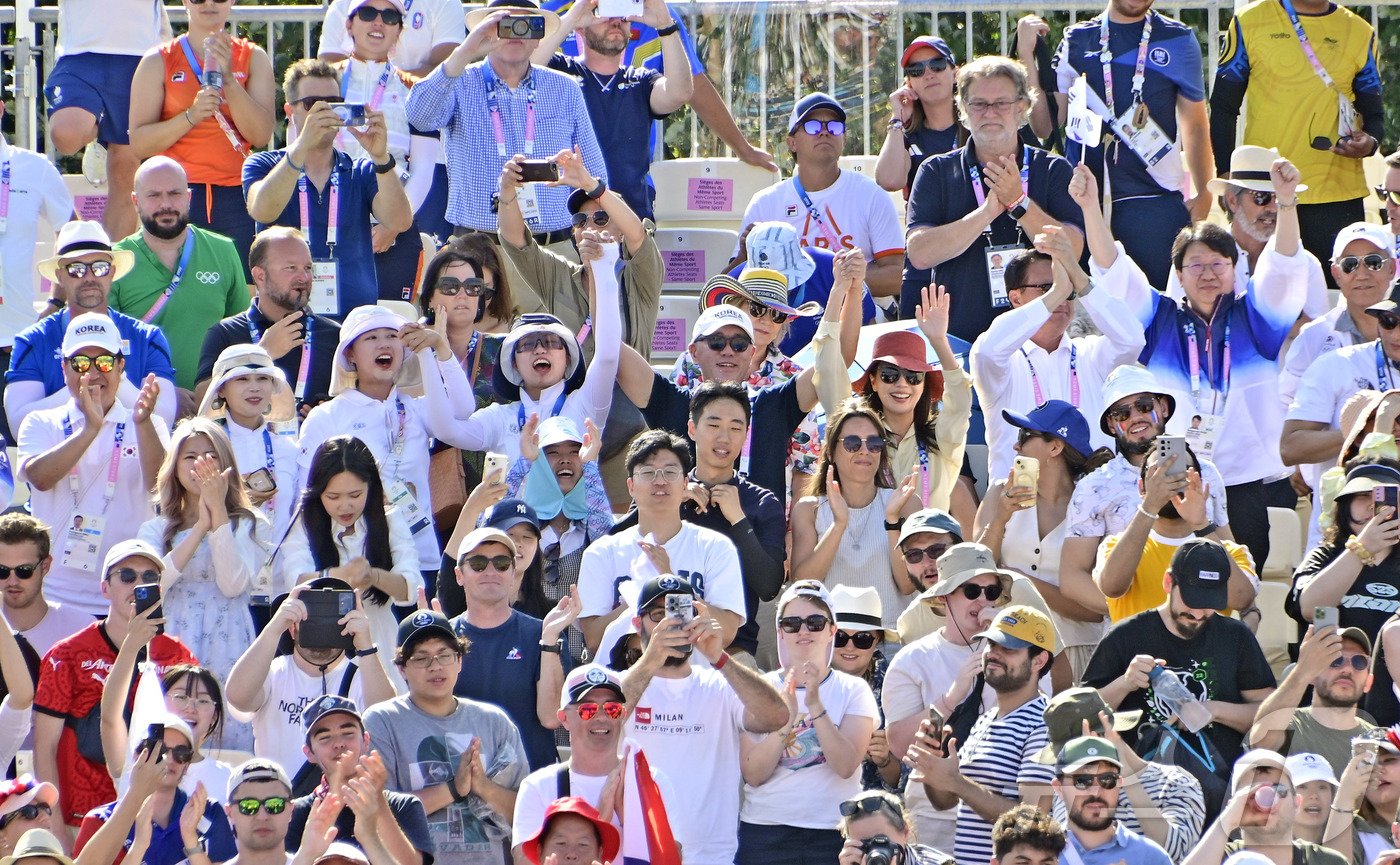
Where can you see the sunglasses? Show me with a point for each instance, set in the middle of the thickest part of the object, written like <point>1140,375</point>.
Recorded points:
<point>1143,405</point>
<point>450,286</point>
<point>935,64</point>
<point>862,639</point>
<point>367,14</point>
<point>972,592</point>
<point>1261,198</point>
<point>272,804</point>
<point>716,342</point>
<point>1374,262</point>
<point>589,711</point>
<point>131,575</point>
<point>816,623</point>
<point>892,374</point>
<point>1388,320</point>
<point>914,555</point>
<point>546,341</point>
<point>1321,142</point>
<point>600,218</point>
<point>201,2</point>
<point>26,812</point>
<point>181,754</point>
<point>1389,196</point>
<point>309,102</point>
<point>1358,662</point>
<point>815,127</point>
<point>24,572</point>
<point>755,309</point>
<point>81,363</point>
<point>1105,780</point>
<point>1042,287</point>
<point>865,805</point>
<point>79,269</point>
<point>502,564</point>
<point>1026,435</point>
<point>853,443</point>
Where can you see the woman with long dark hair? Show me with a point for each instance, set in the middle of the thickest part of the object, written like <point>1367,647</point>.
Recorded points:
<point>466,283</point>
<point>346,531</point>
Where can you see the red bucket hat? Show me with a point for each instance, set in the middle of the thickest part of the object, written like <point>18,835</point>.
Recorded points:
<point>607,833</point>
<point>906,350</point>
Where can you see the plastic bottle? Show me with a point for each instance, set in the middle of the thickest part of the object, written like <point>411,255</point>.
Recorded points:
<point>1173,694</point>
<point>213,75</point>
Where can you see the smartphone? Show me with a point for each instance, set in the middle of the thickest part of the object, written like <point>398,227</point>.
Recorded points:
<point>1025,472</point>
<point>324,610</point>
<point>155,738</point>
<point>681,607</point>
<point>350,113</point>
<point>538,171</point>
<point>618,8</point>
<point>148,596</point>
<point>521,27</point>
<point>429,318</point>
<point>1324,616</point>
<point>1387,496</point>
<point>1173,446</point>
<point>939,728</point>
<point>494,465</point>
<point>260,481</point>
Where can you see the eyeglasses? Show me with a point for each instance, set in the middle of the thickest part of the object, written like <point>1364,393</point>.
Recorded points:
<point>982,106</point>
<point>1105,780</point>
<point>1142,405</point>
<point>853,443</point>
<point>272,804</point>
<point>1216,267</point>
<point>1388,320</point>
<point>670,475</point>
<point>24,572</point>
<point>131,575</point>
<point>973,592</point>
<point>184,701</point>
<point>1026,435</point>
<point>81,363</point>
<point>79,269</point>
<point>934,64</point>
<point>392,17</point>
<point>1375,262</point>
<point>815,127</point>
<point>599,217</point>
<point>589,711</point>
<point>535,341</point>
<point>863,805</point>
<point>502,564</point>
<point>715,342</point>
<point>1358,662</point>
<point>816,623</point>
<point>914,555</point>
<point>892,374</point>
<point>755,309</point>
<point>862,639</point>
<point>1389,196</point>
<point>427,662</point>
<point>309,102</point>
<point>451,286</point>
<point>1041,287</point>
<point>25,812</point>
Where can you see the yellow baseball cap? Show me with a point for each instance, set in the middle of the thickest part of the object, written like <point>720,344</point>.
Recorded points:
<point>1020,627</point>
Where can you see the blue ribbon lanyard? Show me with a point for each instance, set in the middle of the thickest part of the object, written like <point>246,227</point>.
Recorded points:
<point>1306,45</point>
<point>198,68</point>
<point>815,214</point>
<point>1385,378</point>
<point>165,296</point>
<point>558,406</point>
<point>111,492</point>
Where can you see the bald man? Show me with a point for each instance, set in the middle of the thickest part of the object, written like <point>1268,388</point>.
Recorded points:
<point>186,279</point>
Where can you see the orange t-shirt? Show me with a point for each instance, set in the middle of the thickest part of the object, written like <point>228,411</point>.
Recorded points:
<point>204,151</point>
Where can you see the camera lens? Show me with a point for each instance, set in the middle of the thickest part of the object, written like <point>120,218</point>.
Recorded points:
<point>520,27</point>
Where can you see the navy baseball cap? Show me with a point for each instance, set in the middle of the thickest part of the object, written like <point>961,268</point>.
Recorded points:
<point>424,624</point>
<point>811,102</point>
<point>328,704</point>
<point>930,520</point>
<point>657,587</point>
<point>1055,418</point>
<point>509,513</point>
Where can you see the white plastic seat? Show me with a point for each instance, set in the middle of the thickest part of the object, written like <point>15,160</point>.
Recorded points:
<point>693,255</point>
<point>702,192</point>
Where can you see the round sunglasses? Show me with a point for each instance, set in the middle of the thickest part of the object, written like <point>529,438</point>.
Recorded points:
<point>755,309</point>
<point>853,443</point>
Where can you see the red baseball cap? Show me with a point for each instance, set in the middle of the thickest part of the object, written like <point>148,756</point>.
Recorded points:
<point>933,42</point>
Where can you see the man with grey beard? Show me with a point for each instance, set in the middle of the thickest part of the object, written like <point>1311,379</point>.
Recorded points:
<point>1088,773</point>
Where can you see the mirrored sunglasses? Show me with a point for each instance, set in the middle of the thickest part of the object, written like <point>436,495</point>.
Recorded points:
<point>250,806</point>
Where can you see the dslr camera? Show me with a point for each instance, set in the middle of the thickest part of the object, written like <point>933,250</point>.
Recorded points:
<point>880,850</point>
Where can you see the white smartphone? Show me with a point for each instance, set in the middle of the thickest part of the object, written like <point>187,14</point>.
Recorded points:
<point>494,467</point>
<point>1324,616</point>
<point>1025,472</point>
<point>619,8</point>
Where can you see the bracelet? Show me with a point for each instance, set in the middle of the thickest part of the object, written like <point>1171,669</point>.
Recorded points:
<point>673,27</point>
<point>723,659</point>
<point>1293,203</point>
<point>1342,810</point>
<point>894,526</point>
<point>299,169</point>
<point>1144,512</point>
<point>895,123</point>
<point>1359,550</point>
<point>365,653</point>
<point>813,721</point>
<point>452,788</point>
<point>190,119</point>
<point>500,200</point>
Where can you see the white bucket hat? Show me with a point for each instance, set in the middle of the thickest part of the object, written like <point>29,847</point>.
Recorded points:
<point>1127,380</point>
<point>247,359</point>
<point>360,321</point>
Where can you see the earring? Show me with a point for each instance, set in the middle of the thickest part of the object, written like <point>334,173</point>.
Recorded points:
<point>218,403</point>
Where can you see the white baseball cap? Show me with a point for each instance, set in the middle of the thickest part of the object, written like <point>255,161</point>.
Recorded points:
<point>92,328</point>
<point>716,317</point>
<point>1376,235</point>
<point>558,429</point>
<point>1303,768</point>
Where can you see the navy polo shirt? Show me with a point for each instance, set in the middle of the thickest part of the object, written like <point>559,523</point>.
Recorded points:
<point>818,288</point>
<point>238,330</point>
<point>776,414</point>
<point>166,846</point>
<point>1172,68</point>
<point>942,193</point>
<point>38,347</point>
<point>354,252</point>
<point>923,143</point>
<point>620,108</point>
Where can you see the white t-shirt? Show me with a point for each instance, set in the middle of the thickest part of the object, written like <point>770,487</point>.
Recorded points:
<point>14,727</point>
<point>213,774</point>
<point>130,27</point>
<point>58,623</point>
<point>855,209</point>
<point>674,721</point>
<point>36,190</point>
<point>277,731</point>
<point>541,787</point>
<point>1335,376</point>
<point>703,556</point>
<point>804,791</point>
<point>427,24</point>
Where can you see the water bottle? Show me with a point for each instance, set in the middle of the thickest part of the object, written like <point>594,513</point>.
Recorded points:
<point>1173,694</point>
<point>213,75</point>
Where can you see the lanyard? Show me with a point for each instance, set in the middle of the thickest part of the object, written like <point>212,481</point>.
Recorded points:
<point>980,192</point>
<point>332,208</point>
<point>401,437</point>
<point>558,406</point>
<point>831,238</point>
<point>493,104</point>
<point>267,448</point>
<point>748,433</point>
<point>299,386</point>
<point>925,485</point>
<point>1139,69</point>
<point>468,362</point>
<point>378,95</point>
<point>111,491</point>
<point>195,65</point>
<point>1073,377</point>
<point>1306,45</point>
<point>169,292</point>
<point>1385,379</point>
<point>1194,363</point>
<point>4,195</point>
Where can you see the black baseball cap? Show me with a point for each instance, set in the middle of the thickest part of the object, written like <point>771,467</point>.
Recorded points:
<point>328,704</point>
<point>658,587</point>
<point>424,624</point>
<point>1200,568</point>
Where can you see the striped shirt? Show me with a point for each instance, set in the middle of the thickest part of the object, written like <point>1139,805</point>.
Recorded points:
<point>999,755</point>
<point>1177,798</point>
<point>458,106</point>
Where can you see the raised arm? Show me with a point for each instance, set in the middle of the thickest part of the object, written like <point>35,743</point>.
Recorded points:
<point>603,370</point>
<point>677,84</point>
<point>829,381</point>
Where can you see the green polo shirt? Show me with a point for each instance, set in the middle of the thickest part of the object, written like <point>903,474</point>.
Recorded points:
<point>212,289</point>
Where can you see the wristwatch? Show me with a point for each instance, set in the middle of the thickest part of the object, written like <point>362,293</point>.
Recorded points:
<point>1018,210</point>
<point>386,167</point>
<point>597,192</point>
<point>195,850</point>
<point>554,648</point>
<point>1206,530</point>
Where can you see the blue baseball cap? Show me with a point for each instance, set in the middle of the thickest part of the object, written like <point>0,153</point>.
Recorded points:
<point>1055,418</point>
<point>328,704</point>
<point>812,102</point>
<point>509,513</point>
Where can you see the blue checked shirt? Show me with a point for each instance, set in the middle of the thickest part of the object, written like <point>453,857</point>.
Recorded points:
<point>458,106</point>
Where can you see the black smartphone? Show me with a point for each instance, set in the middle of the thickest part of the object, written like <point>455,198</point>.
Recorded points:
<point>429,317</point>
<point>155,739</point>
<point>148,596</point>
<point>521,27</point>
<point>538,171</point>
<point>324,610</point>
